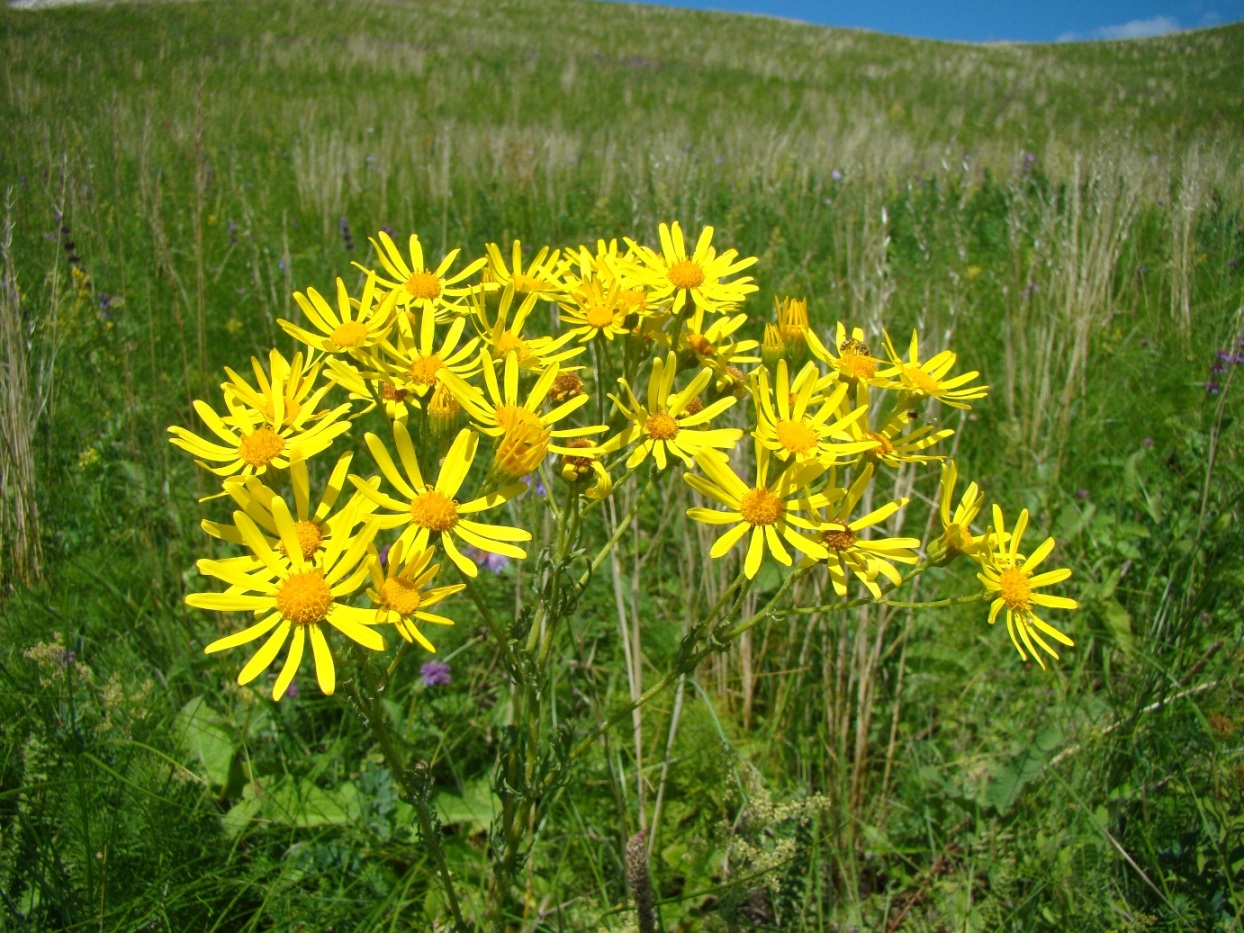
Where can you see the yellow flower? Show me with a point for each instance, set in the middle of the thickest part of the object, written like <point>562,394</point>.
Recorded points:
<point>251,446</point>
<point>520,450</point>
<point>924,380</point>
<point>957,537</point>
<point>504,335</point>
<point>866,558</point>
<point>402,594</point>
<point>418,287</point>
<point>597,311</point>
<point>291,596</point>
<point>892,443</point>
<point>500,411</point>
<point>388,383</point>
<point>290,388</point>
<point>713,345</point>
<point>1009,574</point>
<point>851,357</point>
<point>342,331</point>
<point>769,510</point>
<point>541,277</point>
<point>429,508</point>
<point>675,278</point>
<point>315,529</point>
<point>666,425</point>
<point>785,425</point>
<point>424,363</point>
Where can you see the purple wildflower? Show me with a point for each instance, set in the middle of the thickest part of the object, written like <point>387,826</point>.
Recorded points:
<point>1212,387</point>
<point>292,690</point>
<point>836,175</point>
<point>435,674</point>
<point>1147,442</point>
<point>384,556</point>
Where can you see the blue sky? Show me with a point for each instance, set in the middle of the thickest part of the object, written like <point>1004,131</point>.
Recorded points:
<point>984,21</point>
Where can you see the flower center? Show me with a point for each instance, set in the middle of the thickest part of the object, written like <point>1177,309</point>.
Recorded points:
<point>350,334</point>
<point>700,345</point>
<point>633,299</point>
<point>856,365</point>
<point>512,343</point>
<point>686,274</point>
<point>310,538</point>
<point>661,427</point>
<point>1016,590</point>
<point>884,448</point>
<point>599,316</point>
<point>424,369</point>
<point>566,386</point>
<point>760,507</point>
<point>839,538</point>
<point>304,598</point>
<point>434,511</point>
<point>920,379</point>
<point>514,417</point>
<point>796,436</point>
<point>259,448</point>
<point>424,286</point>
<point>525,284</point>
<point>400,595</point>
<point>694,407</point>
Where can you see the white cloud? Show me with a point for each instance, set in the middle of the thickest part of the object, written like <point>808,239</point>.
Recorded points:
<point>1133,29</point>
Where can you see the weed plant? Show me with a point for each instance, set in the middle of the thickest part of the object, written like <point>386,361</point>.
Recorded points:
<point>1067,218</point>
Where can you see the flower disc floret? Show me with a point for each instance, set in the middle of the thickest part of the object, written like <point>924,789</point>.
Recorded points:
<point>796,436</point>
<point>759,506</point>
<point>310,538</point>
<point>662,427</point>
<point>350,334</point>
<point>686,274</point>
<point>434,511</point>
<point>838,539</point>
<point>401,595</point>
<point>424,286</point>
<point>423,370</point>
<point>304,598</point>
<point>261,447</point>
<point>1015,589</point>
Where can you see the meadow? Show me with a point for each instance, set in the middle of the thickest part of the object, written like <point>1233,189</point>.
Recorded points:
<point>1069,219</point>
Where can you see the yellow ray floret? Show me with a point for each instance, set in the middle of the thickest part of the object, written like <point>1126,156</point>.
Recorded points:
<point>541,277</point>
<point>431,508</point>
<point>772,512</point>
<point>675,277</point>
<point>504,334</point>
<point>420,288</point>
<point>791,424</point>
<point>1009,574</point>
<point>927,380</point>
<point>293,598</point>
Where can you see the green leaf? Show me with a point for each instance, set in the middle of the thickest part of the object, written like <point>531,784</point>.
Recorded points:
<point>1004,789</point>
<point>242,815</point>
<point>302,803</point>
<point>1119,623</point>
<point>474,809</point>
<point>206,737</point>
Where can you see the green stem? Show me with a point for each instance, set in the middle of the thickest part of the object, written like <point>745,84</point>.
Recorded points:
<point>498,633</point>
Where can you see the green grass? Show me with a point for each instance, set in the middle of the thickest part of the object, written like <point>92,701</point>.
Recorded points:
<point>202,156</point>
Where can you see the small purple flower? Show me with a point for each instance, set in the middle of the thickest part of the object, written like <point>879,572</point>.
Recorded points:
<point>1082,494</point>
<point>1224,356</point>
<point>1147,442</point>
<point>104,301</point>
<point>1212,387</point>
<point>836,175</point>
<point>386,229</point>
<point>292,690</point>
<point>384,556</point>
<point>1218,368</point>
<point>535,483</point>
<point>435,674</point>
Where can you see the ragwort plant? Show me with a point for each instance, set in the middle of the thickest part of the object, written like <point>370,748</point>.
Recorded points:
<point>505,407</point>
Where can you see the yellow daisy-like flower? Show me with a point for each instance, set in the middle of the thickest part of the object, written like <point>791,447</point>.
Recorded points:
<point>294,597</point>
<point>714,345</point>
<point>502,409</point>
<point>866,558</point>
<point>675,278</point>
<point>580,462</point>
<point>429,508</point>
<point>542,276</point>
<point>419,287</point>
<point>786,426</point>
<point>851,358</point>
<point>1009,574</point>
<point>425,363</point>
<point>597,311</point>
<point>251,446</point>
<point>667,424</point>
<point>957,537</point>
<point>314,528</point>
<point>504,335</point>
<point>342,331</point>
<point>292,380</point>
<point>388,382</point>
<point>402,594</point>
<point>893,444</point>
<point>925,380</point>
<point>770,511</point>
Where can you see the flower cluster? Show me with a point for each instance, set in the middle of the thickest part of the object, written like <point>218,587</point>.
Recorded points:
<point>642,368</point>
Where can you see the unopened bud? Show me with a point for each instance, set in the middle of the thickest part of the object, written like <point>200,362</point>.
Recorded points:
<point>444,413</point>
<point>772,349</point>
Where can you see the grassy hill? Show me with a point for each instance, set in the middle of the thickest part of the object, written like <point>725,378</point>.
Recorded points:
<point>1070,218</point>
